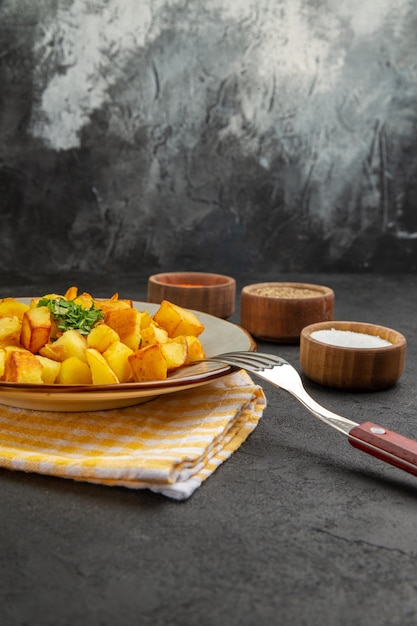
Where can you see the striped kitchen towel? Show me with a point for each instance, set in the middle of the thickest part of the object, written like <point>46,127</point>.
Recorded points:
<point>169,445</point>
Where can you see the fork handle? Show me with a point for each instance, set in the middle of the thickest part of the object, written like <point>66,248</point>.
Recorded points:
<point>386,445</point>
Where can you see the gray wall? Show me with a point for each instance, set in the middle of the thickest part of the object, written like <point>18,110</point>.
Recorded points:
<point>210,135</point>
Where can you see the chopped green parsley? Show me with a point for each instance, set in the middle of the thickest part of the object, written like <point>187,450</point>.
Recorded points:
<point>67,315</point>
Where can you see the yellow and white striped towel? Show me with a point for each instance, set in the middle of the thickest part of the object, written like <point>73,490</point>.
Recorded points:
<point>169,445</point>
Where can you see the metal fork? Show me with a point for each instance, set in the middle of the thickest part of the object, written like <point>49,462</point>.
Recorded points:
<point>374,439</point>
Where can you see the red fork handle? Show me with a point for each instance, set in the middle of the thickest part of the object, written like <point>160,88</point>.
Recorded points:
<point>386,445</point>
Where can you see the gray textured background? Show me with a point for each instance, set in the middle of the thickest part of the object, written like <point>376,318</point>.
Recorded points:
<point>148,135</point>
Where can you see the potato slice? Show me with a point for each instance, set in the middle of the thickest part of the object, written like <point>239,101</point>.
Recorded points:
<point>50,369</point>
<point>101,372</point>
<point>175,352</point>
<point>36,328</point>
<point>101,337</point>
<point>117,356</point>
<point>22,367</point>
<point>73,371</point>
<point>177,321</point>
<point>148,363</point>
<point>70,343</point>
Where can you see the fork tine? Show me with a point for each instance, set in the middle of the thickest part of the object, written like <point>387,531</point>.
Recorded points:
<point>255,358</point>
<point>254,361</point>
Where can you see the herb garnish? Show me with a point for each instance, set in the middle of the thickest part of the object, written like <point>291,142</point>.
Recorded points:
<point>67,314</point>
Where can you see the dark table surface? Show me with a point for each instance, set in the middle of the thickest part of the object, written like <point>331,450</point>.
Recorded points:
<point>297,527</point>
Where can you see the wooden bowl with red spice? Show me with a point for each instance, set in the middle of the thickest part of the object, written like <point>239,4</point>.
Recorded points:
<point>202,291</point>
<point>279,311</point>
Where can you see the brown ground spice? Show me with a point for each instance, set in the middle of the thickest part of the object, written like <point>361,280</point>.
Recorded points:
<point>286,292</point>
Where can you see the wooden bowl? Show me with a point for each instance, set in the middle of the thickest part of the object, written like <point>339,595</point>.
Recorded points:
<point>357,366</point>
<point>279,311</point>
<point>211,293</point>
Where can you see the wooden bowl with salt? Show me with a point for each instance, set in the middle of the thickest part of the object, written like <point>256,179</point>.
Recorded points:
<point>202,291</point>
<point>354,356</point>
<point>279,311</point>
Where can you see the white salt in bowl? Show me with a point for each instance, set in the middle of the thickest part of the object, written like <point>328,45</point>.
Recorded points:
<point>352,355</point>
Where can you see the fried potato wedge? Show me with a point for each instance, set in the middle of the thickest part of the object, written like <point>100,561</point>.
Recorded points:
<point>9,330</point>
<point>117,356</point>
<point>195,349</point>
<point>175,352</point>
<point>126,323</point>
<point>10,307</point>
<point>70,343</point>
<point>112,305</point>
<point>153,334</point>
<point>21,366</point>
<point>50,296</point>
<point>36,328</point>
<point>101,372</point>
<point>101,337</point>
<point>148,363</point>
<point>73,371</point>
<point>71,293</point>
<point>85,300</point>
<point>50,369</point>
<point>2,362</point>
<point>177,321</point>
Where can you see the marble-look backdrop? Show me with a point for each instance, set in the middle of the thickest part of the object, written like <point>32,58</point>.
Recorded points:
<point>148,135</point>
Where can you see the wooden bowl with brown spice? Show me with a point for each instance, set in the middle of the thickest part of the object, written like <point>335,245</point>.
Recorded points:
<point>279,311</point>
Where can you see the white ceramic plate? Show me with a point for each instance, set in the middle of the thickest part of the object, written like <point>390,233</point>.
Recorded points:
<point>218,336</point>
